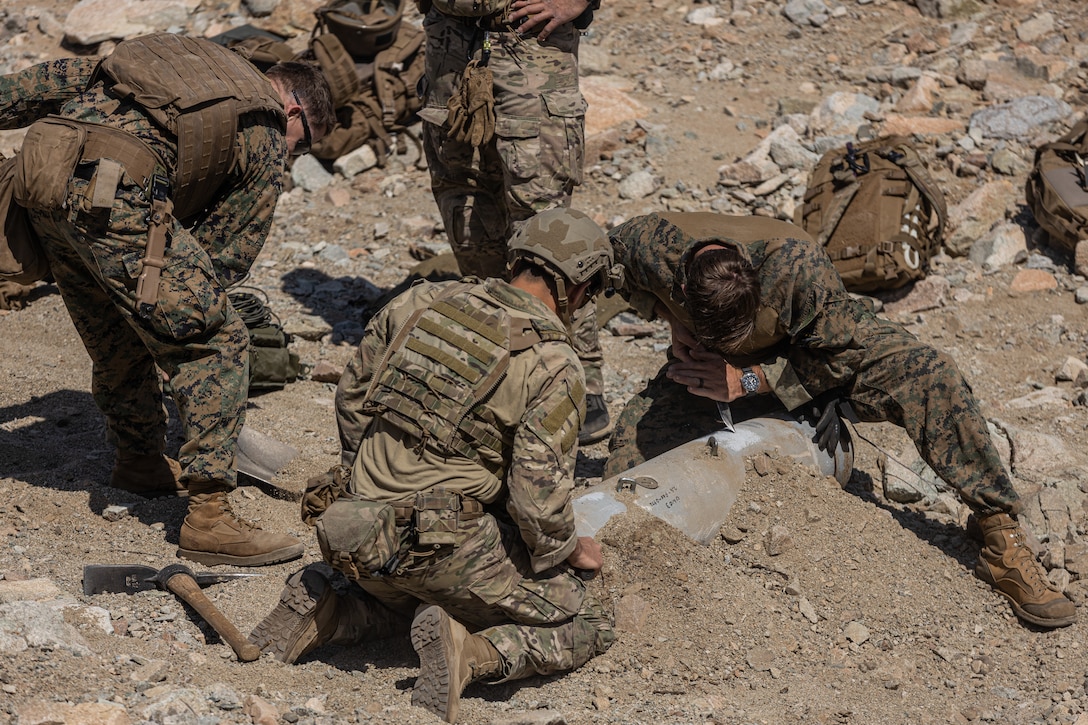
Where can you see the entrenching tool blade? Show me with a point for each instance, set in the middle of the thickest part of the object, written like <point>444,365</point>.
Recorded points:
<point>260,457</point>
<point>132,578</point>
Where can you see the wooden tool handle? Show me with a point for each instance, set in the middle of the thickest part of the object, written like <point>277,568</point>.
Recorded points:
<point>186,587</point>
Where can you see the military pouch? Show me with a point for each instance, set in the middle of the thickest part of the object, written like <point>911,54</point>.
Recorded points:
<point>51,149</point>
<point>22,260</point>
<point>437,517</point>
<point>322,491</point>
<point>359,538</point>
<point>271,364</point>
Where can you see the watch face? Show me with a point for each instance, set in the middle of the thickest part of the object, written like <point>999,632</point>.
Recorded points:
<point>750,382</point>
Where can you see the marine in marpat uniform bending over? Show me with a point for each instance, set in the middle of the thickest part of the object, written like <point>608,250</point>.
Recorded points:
<point>758,310</point>
<point>152,189</point>
<point>504,127</point>
<point>458,424</point>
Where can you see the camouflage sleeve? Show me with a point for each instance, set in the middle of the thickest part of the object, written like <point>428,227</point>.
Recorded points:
<point>650,249</point>
<point>42,89</point>
<point>541,477</point>
<point>235,227</point>
<point>818,317</point>
<point>351,422</point>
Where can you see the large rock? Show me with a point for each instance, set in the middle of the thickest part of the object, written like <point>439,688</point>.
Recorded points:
<point>610,103</point>
<point>93,21</point>
<point>999,246</point>
<point>842,112</point>
<point>976,215</point>
<point>1017,119</point>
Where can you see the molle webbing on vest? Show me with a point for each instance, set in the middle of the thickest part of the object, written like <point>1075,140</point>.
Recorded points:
<point>524,333</point>
<point>196,90</point>
<point>444,361</point>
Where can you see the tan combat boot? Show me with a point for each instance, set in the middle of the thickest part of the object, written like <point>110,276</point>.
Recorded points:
<point>318,606</point>
<point>213,534</point>
<point>151,475</point>
<point>1007,564</point>
<point>449,659</point>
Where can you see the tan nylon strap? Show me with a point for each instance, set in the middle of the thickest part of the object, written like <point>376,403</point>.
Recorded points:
<point>106,179</point>
<point>839,204</point>
<point>462,343</point>
<point>147,287</point>
<point>933,196</point>
<point>470,322</point>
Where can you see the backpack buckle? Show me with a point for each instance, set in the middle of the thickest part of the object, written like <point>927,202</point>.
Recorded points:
<point>859,164</point>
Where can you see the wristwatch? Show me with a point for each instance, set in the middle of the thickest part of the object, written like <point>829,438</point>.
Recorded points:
<point>749,381</point>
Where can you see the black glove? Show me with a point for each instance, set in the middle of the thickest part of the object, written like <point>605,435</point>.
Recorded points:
<point>826,414</point>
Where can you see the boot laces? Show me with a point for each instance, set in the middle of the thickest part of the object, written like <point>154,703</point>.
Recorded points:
<point>225,508</point>
<point>1026,562</point>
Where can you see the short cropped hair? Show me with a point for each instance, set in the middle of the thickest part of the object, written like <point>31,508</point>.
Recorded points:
<point>722,294</point>
<point>307,80</point>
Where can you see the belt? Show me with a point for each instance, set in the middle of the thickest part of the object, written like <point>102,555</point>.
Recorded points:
<point>470,510</point>
<point>496,23</point>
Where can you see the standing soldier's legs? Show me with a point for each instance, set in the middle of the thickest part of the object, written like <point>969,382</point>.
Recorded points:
<point>125,383</point>
<point>193,335</point>
<point>922,390</point>
<point>468,188</point>
<point>467,183</point>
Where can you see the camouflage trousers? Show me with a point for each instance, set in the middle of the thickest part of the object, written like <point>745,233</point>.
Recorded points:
<point>532,164</point>
<point>899,380</point>
<point>540,623</point>
<point>193,335</point>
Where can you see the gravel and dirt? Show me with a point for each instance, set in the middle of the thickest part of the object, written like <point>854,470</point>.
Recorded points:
<point>816,604</point>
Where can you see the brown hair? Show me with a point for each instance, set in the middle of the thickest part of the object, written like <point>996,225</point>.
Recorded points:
<point>307,80</point>
<point>722,293</point>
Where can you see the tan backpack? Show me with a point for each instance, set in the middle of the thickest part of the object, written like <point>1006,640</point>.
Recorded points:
<point>1057,188</point>
<point>876,210</point>
<point>374,95</point>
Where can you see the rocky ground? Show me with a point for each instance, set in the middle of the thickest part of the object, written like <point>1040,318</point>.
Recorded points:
<point>817,604</point>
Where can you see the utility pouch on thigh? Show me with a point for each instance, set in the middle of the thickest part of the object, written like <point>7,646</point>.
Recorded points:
<point>51,150</point>
<point>359,537</point>
<point>437,517</point>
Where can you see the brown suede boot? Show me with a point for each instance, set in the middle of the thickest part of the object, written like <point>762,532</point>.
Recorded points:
<point>151,475</point>
<point>1008,565</point>
<point>449,659</point>
<point>213,534</point>
<point>319,606</point>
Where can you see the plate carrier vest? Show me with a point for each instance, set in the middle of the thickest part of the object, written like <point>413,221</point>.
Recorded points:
<point>444,361</point>
<point>195,90</point>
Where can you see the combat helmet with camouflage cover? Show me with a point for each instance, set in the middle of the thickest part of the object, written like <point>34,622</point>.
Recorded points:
<point>571,247</point>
